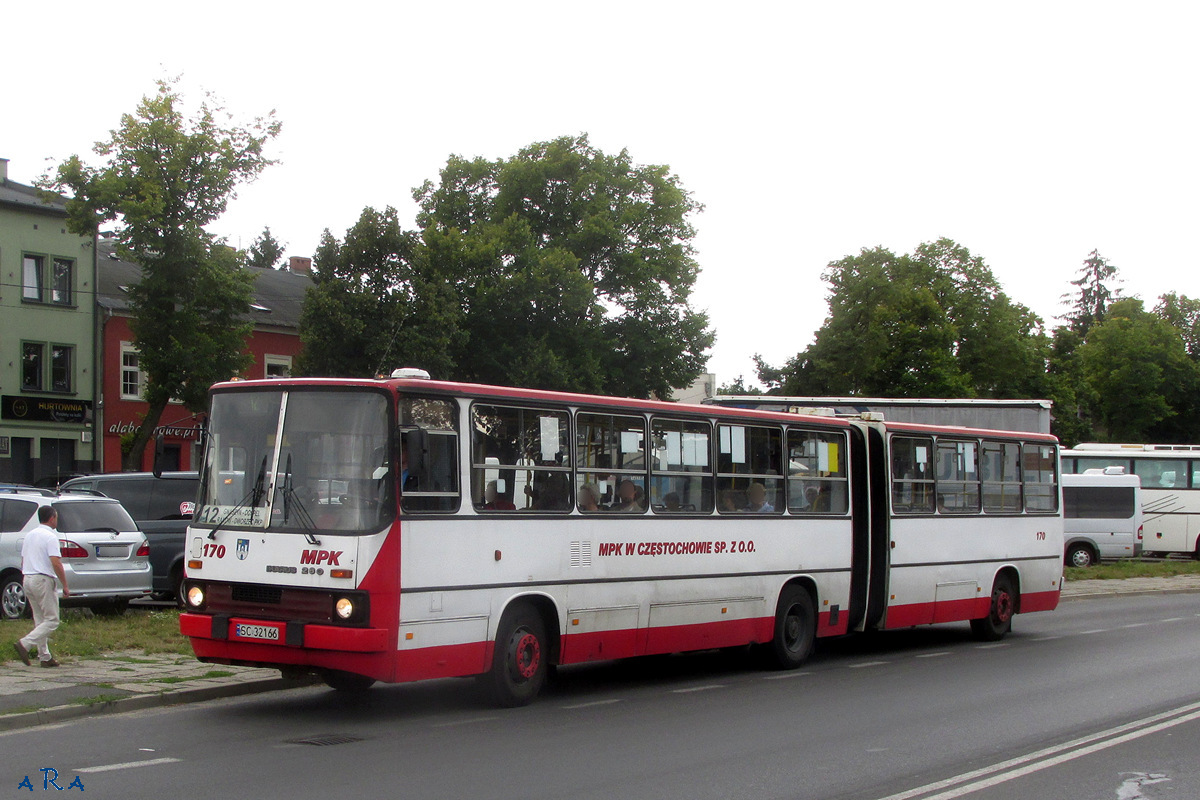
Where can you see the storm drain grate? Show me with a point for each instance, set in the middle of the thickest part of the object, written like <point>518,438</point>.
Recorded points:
<point>326,740</point>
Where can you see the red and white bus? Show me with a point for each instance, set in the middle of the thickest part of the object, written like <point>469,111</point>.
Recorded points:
<point>404,529</point>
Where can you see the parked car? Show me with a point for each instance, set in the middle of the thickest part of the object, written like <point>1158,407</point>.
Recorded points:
<point>56,480</point>
<point>105,556</point>
<point>162,508</point>
<point>1102,516</point>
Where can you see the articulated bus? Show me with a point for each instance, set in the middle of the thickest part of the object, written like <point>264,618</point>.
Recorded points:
<point>406,529</point>
<point>1170,476</point>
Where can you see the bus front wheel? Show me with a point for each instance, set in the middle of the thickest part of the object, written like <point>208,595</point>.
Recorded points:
<point>795,627</point>
<point>519,665</point>
<point>998,622</point>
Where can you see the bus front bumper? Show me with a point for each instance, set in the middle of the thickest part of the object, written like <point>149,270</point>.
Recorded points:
<point>233,629</point>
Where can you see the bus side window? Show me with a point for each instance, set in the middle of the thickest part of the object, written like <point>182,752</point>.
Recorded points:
<point>912,475</point>
<point>681,465</point>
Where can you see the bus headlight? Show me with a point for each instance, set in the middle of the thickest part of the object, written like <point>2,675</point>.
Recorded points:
<point>344,607</point>
<point>195,596</point>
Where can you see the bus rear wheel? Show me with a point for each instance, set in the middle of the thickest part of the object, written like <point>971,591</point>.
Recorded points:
<point>519,665</point>
<point>795,628</point>
<point>998,622</point>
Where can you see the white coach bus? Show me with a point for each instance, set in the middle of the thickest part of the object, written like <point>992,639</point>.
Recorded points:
<point>1170,476</point>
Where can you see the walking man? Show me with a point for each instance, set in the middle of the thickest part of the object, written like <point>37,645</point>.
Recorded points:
<point>41,561</point>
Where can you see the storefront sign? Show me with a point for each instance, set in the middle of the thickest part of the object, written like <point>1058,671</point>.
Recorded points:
<point>45,409</point>
<point>181,432</point>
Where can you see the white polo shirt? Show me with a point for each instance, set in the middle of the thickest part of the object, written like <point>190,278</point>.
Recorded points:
<point>40,543</point>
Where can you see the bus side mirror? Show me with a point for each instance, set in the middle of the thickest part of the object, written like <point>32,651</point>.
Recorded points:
<point>416,448</point>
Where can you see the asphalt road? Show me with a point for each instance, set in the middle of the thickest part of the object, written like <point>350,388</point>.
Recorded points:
<point>1078,704</point>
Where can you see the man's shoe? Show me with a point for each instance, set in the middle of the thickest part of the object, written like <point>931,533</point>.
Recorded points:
<point>22,652</point>
<point>49,663</point>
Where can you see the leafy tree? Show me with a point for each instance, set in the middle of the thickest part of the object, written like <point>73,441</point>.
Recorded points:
<point>265,251</point>
<point>1184,313</point>
<point>738,386</point>
<point>932,324</point>
<point>376,305</point>
<point>1093,294</point>
<point>1143,380</point>
<point>573,269</point>
<point>162,179</point>
<point>1071,394</point>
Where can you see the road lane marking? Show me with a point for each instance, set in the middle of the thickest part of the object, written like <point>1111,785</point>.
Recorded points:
<point>976,780</point>
<point>593,704</point>
<point>1140,624</point>
<point>457,723</point>
<point>934,655</point>
<point>691,689</point>
<point>1047,638</point>
<point>867,664</point>
<point>991,646</point>
<point>785,675</point>
<point>1098,630</point>
<point>129,765</point>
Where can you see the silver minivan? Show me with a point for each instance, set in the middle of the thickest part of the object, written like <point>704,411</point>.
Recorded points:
<point>105,556</point>
<point>1102,516</point>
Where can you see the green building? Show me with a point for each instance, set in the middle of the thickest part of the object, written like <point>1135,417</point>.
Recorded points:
<point>48,380</point>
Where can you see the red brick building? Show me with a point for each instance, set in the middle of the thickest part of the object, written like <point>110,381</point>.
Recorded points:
<point>275,310</point>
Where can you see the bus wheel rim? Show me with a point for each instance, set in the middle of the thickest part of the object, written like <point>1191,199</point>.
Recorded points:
<point>526,655</point>
<point>1004,606</point>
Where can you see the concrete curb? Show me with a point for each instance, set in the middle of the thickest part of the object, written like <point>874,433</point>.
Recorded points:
<point>46,716</point>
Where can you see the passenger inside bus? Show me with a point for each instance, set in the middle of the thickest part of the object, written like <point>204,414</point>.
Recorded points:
<point>757,496</point>
<point>551,492</point>
<point>493,501</point>
<point>589,497</point>
<point>629,497</point>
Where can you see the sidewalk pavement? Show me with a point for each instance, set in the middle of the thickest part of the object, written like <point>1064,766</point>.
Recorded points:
<point>131,681</point>
<point>127,681</point>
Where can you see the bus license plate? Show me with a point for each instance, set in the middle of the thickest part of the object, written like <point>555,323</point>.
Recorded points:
<point>256,632</point>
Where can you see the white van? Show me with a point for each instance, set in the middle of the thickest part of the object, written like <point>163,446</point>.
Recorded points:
<point>1102,516</point>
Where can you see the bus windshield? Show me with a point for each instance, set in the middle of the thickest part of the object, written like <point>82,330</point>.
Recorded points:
<point>298,461</point>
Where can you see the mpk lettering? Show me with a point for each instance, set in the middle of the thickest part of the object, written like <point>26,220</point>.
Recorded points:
<point>321,557</point>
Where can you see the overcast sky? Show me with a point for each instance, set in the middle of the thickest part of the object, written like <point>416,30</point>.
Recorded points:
<point>1032,133</point>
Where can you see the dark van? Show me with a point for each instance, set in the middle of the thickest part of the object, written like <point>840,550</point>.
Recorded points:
<point>162,508</point>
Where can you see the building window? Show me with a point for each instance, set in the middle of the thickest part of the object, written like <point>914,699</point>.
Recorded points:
<point>32,279</point>
<point>133,383</point>
<point>60,284</point>
<point>34,367</point>
<point>61,368</point>
<point>34,283</point>
<point>33,357</point>
<point>277,366</point>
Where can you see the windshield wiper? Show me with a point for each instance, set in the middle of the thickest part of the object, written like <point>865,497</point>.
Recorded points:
<point>252,499</point>
<point>290,498</point>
